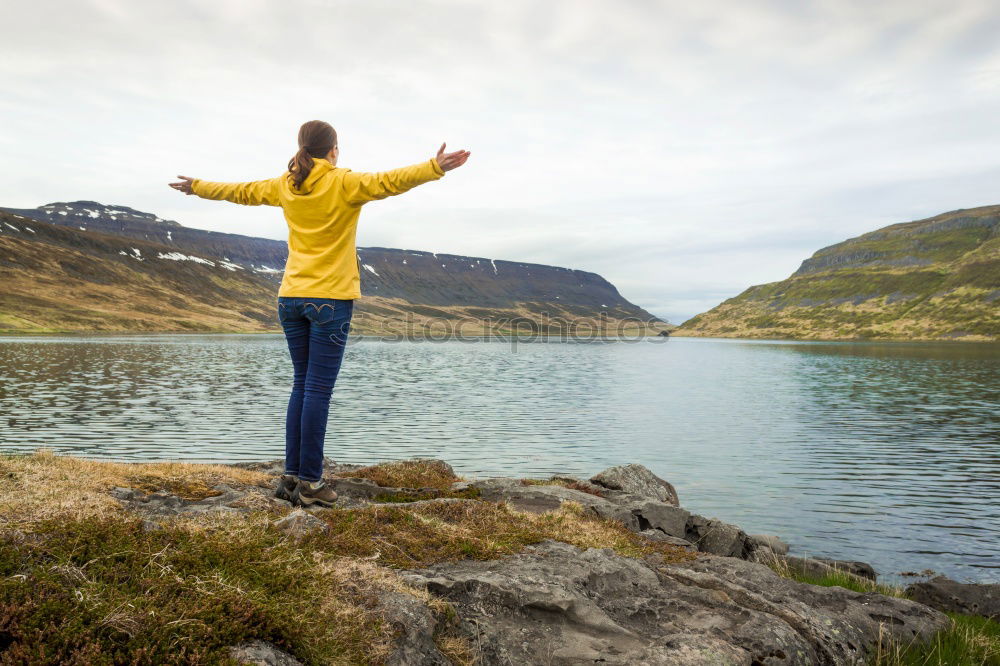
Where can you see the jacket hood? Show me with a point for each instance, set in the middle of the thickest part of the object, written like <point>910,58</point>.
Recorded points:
<point>320,168</point>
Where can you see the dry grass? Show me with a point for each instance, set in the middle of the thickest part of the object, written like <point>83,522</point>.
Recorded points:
<point>78,575</point>
<point>572,485</point>
<point>418,473</point>
<point>43,485</point>
<point>414,536</point>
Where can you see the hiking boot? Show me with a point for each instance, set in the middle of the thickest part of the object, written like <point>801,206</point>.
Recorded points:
<point>286,487</point>
<point>309,493</point>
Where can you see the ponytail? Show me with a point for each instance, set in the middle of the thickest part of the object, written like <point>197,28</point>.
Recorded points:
<point>316,139</point>
<point>300,166</point>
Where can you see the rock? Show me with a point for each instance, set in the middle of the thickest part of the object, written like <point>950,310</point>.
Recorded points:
<point>716,537</point>
<point>819,567</point>
<point>691,650</point>
<point>636,480</point>
<point>123,494</point>
<point>774,543</point>
<point>163,504</point>
<point>358,488</point>
<point>657,535</point>
<point>634,512</point>
<point>540,498</point>
<point>260,653</point>
<point>584,485</point>
<point>668,519</point>
<point>948,595</point>
<point>414,625</point>
<point>859,569</point>
<point>555,603</point>
<point>299,524</point>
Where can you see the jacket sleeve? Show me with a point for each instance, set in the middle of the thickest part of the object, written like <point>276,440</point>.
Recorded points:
<point>249,194</point>
<point>360,188</point>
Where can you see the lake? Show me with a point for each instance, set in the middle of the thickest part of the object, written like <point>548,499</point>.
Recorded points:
<point>885,452</point>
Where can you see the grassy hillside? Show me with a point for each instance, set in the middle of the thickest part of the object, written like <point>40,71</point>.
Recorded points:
<point>933,279</point>
<point>61,278</point>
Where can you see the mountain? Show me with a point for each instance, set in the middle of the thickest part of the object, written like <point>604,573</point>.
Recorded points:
<point>85,266</point>
<point>933,279</point>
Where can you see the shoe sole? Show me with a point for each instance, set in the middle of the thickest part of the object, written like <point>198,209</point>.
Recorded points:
<point>309,501</point>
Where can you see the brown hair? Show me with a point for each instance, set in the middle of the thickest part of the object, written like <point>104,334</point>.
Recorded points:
<point>316,139</point>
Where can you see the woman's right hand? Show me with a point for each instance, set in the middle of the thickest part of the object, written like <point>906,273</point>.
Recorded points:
<point>449,161</point>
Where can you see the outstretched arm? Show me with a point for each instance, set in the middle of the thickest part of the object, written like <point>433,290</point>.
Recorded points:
<point>249,194</point>
<point>360,188</point>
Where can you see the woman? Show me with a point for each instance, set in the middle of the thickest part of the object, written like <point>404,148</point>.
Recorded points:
<point>321,203</point>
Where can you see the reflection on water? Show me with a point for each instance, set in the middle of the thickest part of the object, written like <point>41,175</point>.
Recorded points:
<point>888,452</point>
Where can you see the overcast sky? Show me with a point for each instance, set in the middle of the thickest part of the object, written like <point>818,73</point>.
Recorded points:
<point>683,150</point>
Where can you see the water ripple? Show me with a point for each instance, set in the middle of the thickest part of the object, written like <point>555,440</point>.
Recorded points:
<point>885,452</point>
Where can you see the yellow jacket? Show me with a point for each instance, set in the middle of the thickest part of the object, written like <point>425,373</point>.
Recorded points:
<point>322,219</point>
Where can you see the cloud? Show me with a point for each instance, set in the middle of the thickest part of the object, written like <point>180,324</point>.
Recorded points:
<point>682,150</point>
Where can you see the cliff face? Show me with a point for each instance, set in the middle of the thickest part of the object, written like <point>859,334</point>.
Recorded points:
<point>937,278</point>
<point>69,256</point>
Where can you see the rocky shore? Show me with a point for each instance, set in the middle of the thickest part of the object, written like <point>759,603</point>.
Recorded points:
<point>669,587</point>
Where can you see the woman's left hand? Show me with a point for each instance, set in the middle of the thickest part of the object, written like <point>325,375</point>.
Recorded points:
<point>184,185</point>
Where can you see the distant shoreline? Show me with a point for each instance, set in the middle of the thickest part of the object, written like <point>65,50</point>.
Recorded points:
<point>967,340</point>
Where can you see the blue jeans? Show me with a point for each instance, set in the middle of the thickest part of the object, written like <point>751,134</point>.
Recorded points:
<point>316,331</point>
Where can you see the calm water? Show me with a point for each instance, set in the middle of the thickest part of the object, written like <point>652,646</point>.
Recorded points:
<point>884,452</point>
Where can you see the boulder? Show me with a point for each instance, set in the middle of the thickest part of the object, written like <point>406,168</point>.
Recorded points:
<point>555,603</point>
<point>711,535</point>
<point>768,541</point>
<point>636,480</point>
<point>260,653</point>
<point>299,524</point>
<point>661,516</point>
<point>657,535</point>
<point>949,595</point>
<point>859,569</point>
<point>819,567</point>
